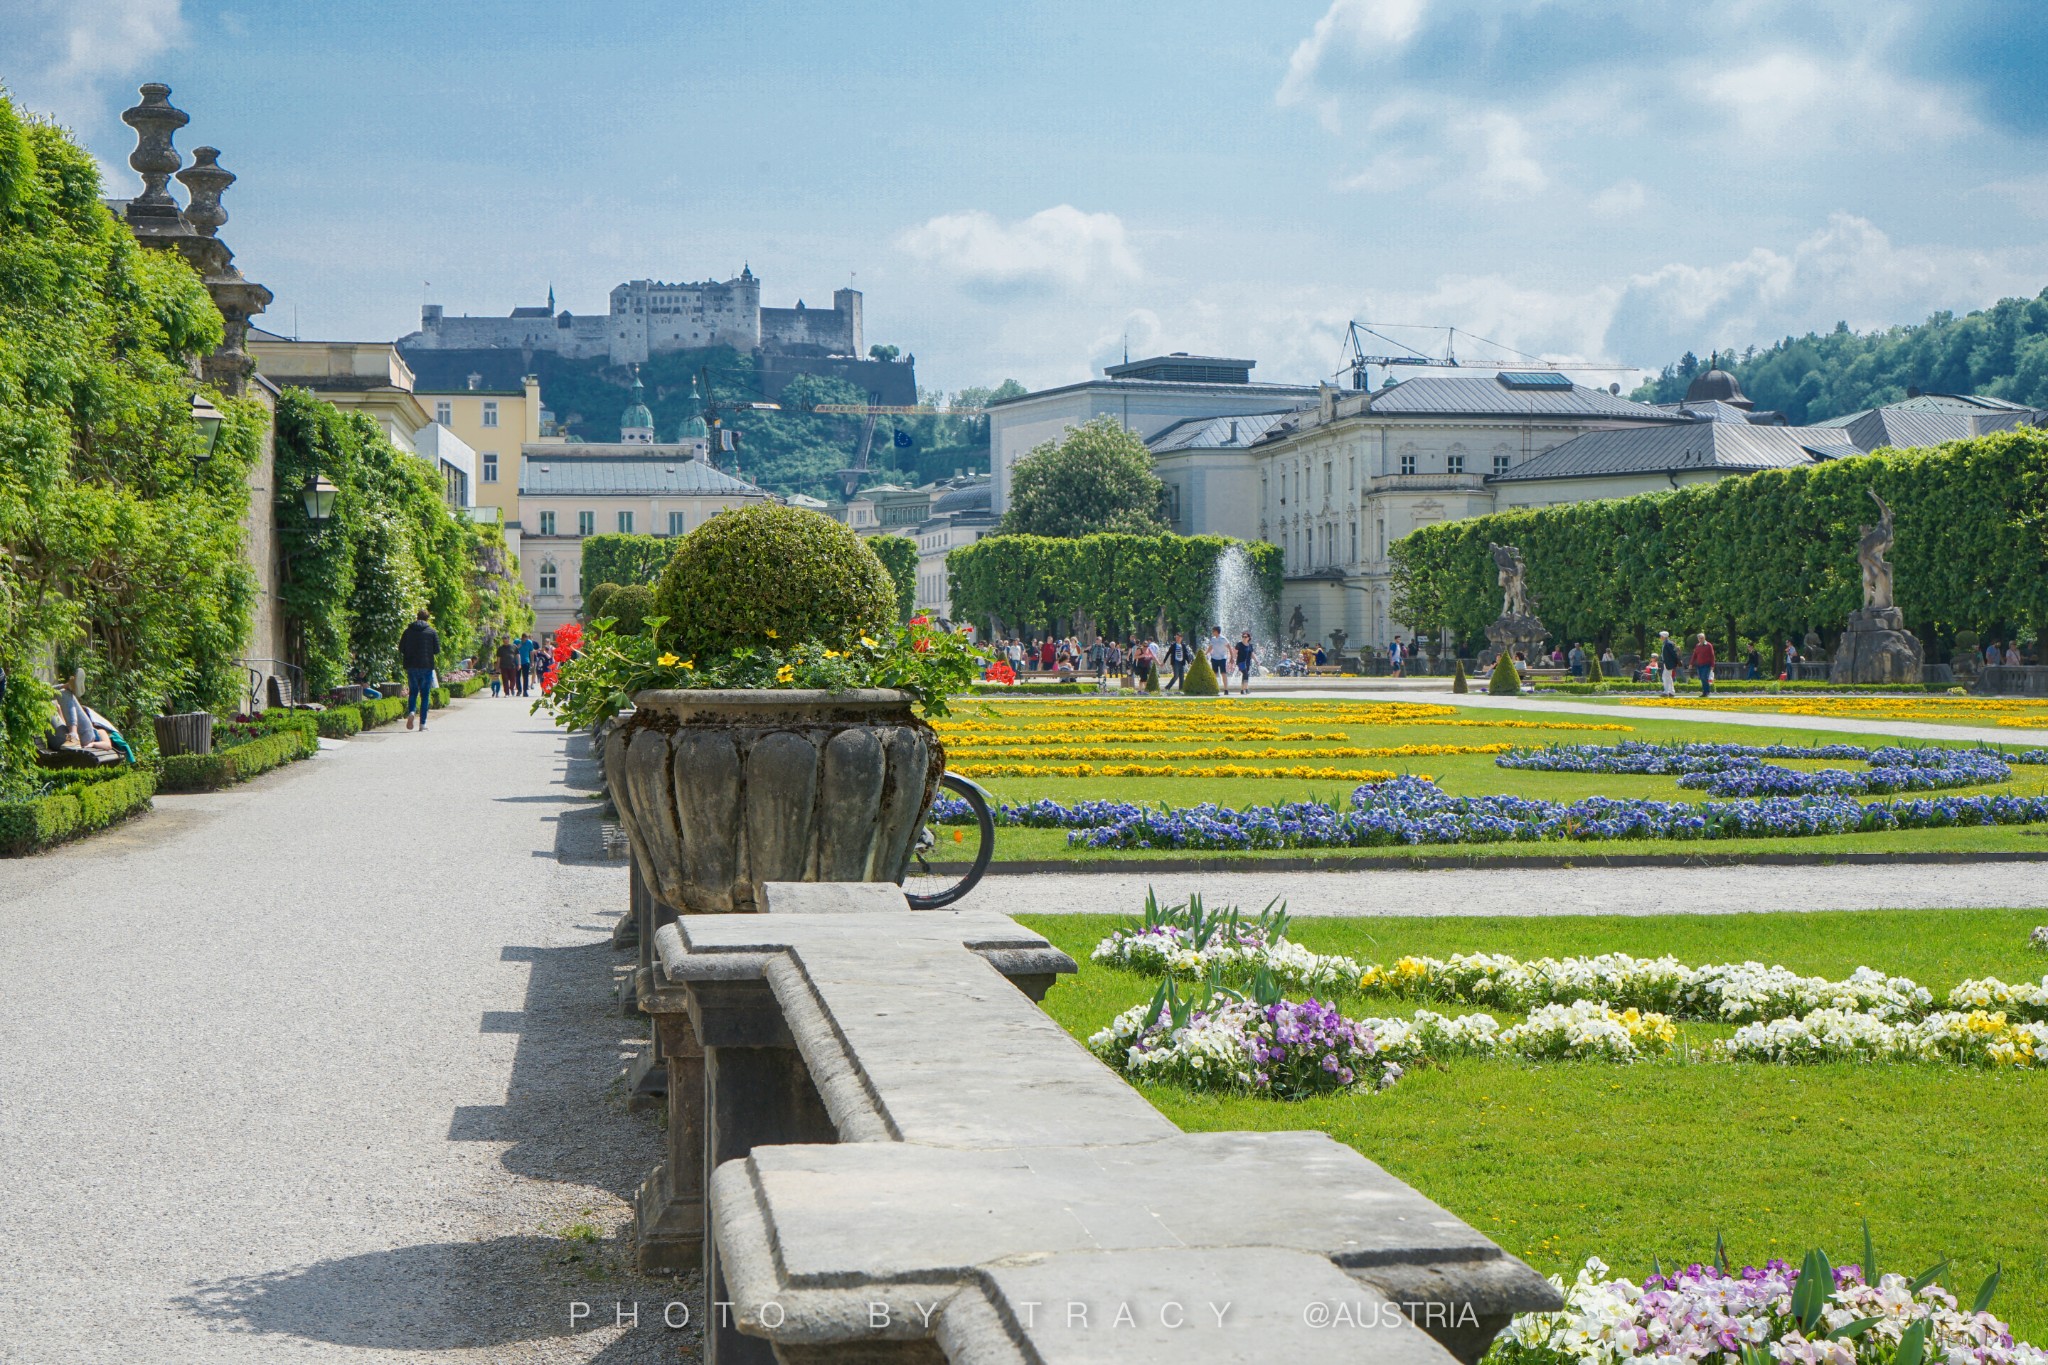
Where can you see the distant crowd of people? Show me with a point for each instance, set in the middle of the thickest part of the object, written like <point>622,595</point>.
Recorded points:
<point>1140,662</point>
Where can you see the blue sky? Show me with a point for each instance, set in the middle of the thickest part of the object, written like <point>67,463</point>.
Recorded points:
<point>1019,187</point>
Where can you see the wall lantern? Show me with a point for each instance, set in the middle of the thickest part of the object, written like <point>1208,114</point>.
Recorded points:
<point>319,498</point>
<point>207,418</point>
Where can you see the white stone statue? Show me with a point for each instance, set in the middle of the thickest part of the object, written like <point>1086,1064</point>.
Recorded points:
<point>1513,580</point>
<point>1870,552</point>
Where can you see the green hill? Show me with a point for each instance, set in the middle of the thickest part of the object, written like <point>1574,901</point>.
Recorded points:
<point>2000,351</point>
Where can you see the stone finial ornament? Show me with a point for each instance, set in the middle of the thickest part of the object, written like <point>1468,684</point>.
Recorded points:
<point>206,180</point>
<point>155,122</point>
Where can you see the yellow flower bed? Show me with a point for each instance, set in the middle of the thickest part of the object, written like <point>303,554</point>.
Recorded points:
<point>968,752</point>
<point>1299,771</point>
<point>1965,710</point>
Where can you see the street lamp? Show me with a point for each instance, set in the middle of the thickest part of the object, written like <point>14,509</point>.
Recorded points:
<point>207,418</point>
<point>319,499</point>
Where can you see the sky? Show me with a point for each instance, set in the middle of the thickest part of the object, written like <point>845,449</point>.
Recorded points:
<point>1023,190</point>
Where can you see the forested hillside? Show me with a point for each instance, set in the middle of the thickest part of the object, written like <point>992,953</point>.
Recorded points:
<point>2001,351</point>
<point>790,451</point>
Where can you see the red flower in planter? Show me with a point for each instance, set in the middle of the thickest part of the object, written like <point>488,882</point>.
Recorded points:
<point>1000,672</point>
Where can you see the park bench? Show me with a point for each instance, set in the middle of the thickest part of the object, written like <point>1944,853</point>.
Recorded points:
<point>67,757</point>
<point>1325,670</point>
<point>896,1155</point>
<point>281,694</point>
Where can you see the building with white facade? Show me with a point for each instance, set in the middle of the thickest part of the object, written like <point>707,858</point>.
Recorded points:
<point>958,516</point>
<point>1147,397</point>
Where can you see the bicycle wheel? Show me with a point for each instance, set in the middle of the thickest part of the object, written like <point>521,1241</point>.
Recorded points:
<point>932,884</point>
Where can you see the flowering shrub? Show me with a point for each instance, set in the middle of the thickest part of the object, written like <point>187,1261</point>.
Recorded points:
<point>1975,1038</point>
<point>1235,954</point>
<point>1588,1030</point>
<point>1000,672</point>
<point>916,657</point>
<point>1288,1050</point>
<point>1720,1317</point>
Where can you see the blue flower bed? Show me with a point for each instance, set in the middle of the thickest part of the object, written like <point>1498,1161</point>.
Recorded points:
<point>1740,769</point>
<point>1414,810</point>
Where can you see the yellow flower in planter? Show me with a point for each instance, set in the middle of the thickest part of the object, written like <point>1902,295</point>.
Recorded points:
<point>834,654</point>
<point>785,673</point>
<point>668,661</point>
<point>689,665</point>
<point>867,642</point>
<point>773,636</point>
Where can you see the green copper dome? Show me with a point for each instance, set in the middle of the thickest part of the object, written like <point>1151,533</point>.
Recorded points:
<point>636,413</point>
<point>694,427</point>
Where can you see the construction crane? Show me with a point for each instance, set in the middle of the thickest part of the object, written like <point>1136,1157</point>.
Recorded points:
<point>1357,362</point>
<point>723,441</point>
<point>850,477</point>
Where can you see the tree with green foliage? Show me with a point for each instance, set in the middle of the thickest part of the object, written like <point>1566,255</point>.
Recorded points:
<point>1097,478</point>
<point>1119,584</point>
<point>2000,351</point>
<point>1201,678</point>
<point>620,559</point>
<point>899,556</point>
<point>124,544</point>
<point>1505,682</point>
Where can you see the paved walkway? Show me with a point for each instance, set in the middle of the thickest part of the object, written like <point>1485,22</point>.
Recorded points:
<point>1537,891</point>
<point>321,1067</point>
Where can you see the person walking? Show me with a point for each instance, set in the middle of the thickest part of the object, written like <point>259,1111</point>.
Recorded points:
<point>1753,664</point>
<point>1667,663</point>
<point>1246,652</point>
<point>1179,655</point>
<point>1396,660</point>
<point>418,647</point>
<point>1703,663</point>
<point>526,648</point>
<point>1578,661</point>
<point>1791,658</point>
<point>1219,658</point>
<point>508,665</point>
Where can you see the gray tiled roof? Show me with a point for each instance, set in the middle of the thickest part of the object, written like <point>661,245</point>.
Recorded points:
<point>1207,433</point>
<point>1430,394</point>
<point>650,476</point>
<point>1666,449</point>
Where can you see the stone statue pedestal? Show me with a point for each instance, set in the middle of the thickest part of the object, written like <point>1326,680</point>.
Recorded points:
<point>1512,632</point>
<point>1877,649</point>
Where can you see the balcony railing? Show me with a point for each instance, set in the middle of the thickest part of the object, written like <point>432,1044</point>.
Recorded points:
<point>1429,483</point>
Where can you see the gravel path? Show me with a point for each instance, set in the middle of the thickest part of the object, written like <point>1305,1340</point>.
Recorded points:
<point>322,1068</point>
<point>1537,891</point>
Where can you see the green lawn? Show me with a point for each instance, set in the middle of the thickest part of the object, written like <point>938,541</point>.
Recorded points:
<point>1562,1161</point>
<point>1459,774</point>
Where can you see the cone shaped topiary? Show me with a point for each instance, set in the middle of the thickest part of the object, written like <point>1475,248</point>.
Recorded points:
<point>1505,682</point>
<point>769,575</point>
<point>1593,673</point>
<point>1201,679</point>
<point>1459,683</point>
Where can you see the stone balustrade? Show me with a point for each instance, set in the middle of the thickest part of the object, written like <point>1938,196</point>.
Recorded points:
<point>891,1153</point>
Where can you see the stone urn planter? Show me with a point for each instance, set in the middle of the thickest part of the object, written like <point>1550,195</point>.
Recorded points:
<point>721,791</point>
<point>188,732</point>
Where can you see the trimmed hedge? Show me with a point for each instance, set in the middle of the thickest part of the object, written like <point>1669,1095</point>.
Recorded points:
<point>470,686</point>
<point>769,575</point>
<point>1119,582</point>
<point>380,711</point>
<point>73,809</point>
<point>338,722</point>
<point>224,767</point>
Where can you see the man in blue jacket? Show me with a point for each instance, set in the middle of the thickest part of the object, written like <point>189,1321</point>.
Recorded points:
<point>418,647</point>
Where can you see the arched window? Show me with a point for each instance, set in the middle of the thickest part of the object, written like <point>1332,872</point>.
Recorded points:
<point>548,578</point>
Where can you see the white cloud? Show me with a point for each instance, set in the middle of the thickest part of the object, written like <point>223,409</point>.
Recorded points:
<point>1498,163</point>
<point>1847,271</point>
<point>1059,247</point>
<point>1619,200</point>
<point>1361,30</point>
<point>1476,153</point>
<point>1794,99</point>
<point>65,55</point>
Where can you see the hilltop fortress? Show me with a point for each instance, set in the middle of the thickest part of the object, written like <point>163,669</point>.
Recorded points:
<point>648,317</point>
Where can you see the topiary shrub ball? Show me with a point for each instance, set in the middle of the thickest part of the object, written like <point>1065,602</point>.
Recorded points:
<point>597,602</point>
<point>630,605</point>
<point>772,575</point>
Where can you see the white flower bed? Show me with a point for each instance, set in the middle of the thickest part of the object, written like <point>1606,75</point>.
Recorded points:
<point>1168,950</point>
<point>1588,1030</point>
<point>1704,1316</point>
<point>1725,992</point>
<point>2026,1000</point>
<point>1972,1038</point>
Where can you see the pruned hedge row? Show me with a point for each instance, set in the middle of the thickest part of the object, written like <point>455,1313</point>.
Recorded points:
<point>338,722</point>
<point>1120,582</point>
<point>470,686</point>
<point>74,808</point>
<point>239,763</point>
<point>380,711</point>
<point>1766,555</point>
